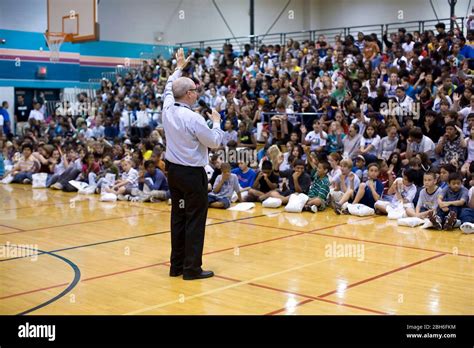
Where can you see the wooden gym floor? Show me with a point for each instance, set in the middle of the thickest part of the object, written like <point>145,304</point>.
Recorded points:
<point>111,258</point>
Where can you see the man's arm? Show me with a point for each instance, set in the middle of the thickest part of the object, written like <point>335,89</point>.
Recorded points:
<point>211,138</point>
<point>168,92</point>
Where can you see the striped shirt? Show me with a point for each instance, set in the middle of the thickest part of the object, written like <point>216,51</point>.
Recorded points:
<point>29,165</point>
<point>319,188</point>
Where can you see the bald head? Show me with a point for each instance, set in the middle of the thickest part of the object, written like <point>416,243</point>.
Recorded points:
<point>181,85</point>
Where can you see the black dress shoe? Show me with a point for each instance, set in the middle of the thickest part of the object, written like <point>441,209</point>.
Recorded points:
<point>202,275</point>
<point>176,273</point>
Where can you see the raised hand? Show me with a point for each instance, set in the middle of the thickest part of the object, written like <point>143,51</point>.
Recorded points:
<point>181,61</point>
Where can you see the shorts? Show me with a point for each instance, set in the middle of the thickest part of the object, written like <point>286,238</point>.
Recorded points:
<point>211,198</point>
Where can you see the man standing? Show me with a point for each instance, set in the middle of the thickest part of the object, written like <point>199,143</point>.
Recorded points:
<point>188,138</point>
<point>22,112</point>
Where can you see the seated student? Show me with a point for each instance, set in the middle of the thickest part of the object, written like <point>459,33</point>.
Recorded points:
<point>359,168</point>
<point>428,198</point>
<point>265,182</point>
<point>28,165</point>
<point>444,171</point>
<point>152,185</point>
<point>246,176</point>
<point>450,203</point>
<point>127,182</point>
<point>369,192</point>
<point>73,169</point>
<point>89,167</point>
<point>345,185</point>
<point>402,192</point>
<point>316,139</point>
<point>229,135</point>
<point>108,167</point>
<point>299,182</point>
<point>224,187</point>
<point>155,183</point>
<point>334,160</point>
<point>415,165</point>
<point>386,175</point>
<point>319,190</point>
<point>467,215</point>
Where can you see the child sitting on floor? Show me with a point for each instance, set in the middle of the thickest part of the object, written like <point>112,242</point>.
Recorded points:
<point>450,203</point>
<point>346,185</point>
<point>319,190</point>
<point>224,187</point>
<point>127,182</point>
<point>265,182</point>
<point>368,193</point>
<point>401,193</point>
<point>428,199</point>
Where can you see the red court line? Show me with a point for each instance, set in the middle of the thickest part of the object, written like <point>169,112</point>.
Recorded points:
<point>164,262</point>
<point>36,290</point>
<point>12,228</point>
<point>77,223</point>
<point>296,305</point>
<point>357,239</point>
<point>385,274</point>
<point>302,295</point>
<point>362,282</point>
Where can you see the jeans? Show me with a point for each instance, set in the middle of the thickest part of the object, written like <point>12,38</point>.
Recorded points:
<point>18,178</point>
<point>467,215</point>
<point>443,215</point>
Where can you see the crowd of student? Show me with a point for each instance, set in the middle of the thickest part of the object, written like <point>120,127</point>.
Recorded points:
<point>357,125</point>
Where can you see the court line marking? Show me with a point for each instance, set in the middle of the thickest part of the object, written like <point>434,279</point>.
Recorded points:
<point>43,205</point>
<point>363,281</point>
<point>10,227</point>
<point>76,223</point>
<point>245,282</point>
<point>125,238</point>
<point>164,262</point>
<point>72,284</point>
<point>362,240</point>
<point>306,296</point>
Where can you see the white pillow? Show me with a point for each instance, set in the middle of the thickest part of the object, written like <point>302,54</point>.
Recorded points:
<point>410,221</point>
<point>296,203</point>
<point>271,202</point>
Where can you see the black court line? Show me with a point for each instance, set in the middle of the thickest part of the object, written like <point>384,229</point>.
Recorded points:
<point>122,239</point>
<point>72,285</point>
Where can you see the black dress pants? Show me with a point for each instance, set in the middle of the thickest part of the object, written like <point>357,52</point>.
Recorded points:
<point>188,187</point>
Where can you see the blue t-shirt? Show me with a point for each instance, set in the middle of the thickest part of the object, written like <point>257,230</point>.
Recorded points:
<point>368,198</point>
<point>6,118</point>
<point>245,179</point>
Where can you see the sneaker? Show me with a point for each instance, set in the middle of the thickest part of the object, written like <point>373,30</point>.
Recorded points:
<point>337,208</point>
<point>27,181</point>
<point>436,221</point>
<point>123,197</point>
<point>467,228</point>
<point>450,221</point>
<point>314,209</point>
<point>169,201</point>
<point>57,186</point>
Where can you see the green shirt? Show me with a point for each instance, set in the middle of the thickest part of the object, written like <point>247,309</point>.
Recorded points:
<point>319,188</point>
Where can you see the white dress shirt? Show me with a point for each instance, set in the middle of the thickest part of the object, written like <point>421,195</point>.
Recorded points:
<point>187,134</point>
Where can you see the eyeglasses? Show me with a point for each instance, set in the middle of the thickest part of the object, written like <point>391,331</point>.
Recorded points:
<point>192,90</point>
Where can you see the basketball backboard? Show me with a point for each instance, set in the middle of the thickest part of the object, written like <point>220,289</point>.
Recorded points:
<point>76,18</point>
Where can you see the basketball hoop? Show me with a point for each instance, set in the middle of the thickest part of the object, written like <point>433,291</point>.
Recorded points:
<point>55,40</point>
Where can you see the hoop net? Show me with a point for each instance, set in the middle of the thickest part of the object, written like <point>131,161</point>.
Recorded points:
<point>55,40</point>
